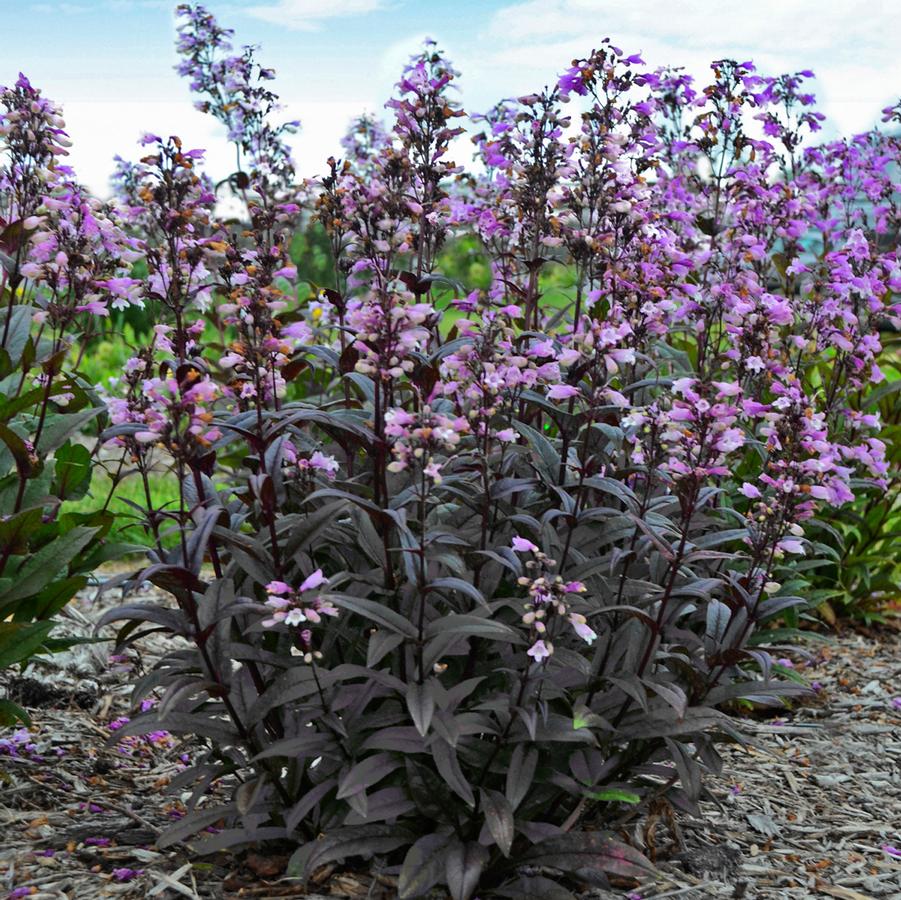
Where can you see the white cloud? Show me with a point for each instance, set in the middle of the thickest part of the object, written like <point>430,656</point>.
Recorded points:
<point>66,9</point>
<point>845,27</point>
<point>71,9</point>
<point>850,44</point>
<point>94,146</point>
<point>308,15</point>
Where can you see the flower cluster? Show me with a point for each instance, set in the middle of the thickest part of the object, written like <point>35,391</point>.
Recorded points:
<point>237,94</point>
<point>33,134</point>
<point>549,602</point>
<point>419,437</point>
<point>299,608</point>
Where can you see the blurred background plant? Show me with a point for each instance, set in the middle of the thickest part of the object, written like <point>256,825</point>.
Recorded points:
<point>858,578</point>
<point>56,246</point>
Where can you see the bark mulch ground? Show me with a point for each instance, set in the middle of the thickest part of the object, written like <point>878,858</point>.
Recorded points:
<point>811,809</point>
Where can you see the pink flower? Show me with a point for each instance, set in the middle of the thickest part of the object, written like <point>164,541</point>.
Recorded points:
<point>751,492</point>
<point>95,308</point>
<point>791,546</point>
<point>582,628</point>
<point>616,398</point>
<point>684,387</point>
<point>727,389</point>
<point>313,581</point>
<point>521,545</point>
<point>562,392</point>
<point>540,651</point>
<point>326,464</point>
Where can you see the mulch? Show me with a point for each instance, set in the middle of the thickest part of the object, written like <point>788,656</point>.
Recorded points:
<point>811,808</point>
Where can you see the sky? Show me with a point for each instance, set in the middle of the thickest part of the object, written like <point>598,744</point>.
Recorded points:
<point>110,62</point>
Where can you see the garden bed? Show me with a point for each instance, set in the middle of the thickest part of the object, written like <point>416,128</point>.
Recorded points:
<point>810,810</point>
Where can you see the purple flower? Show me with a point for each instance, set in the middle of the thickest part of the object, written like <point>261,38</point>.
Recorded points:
<point>126,874</point>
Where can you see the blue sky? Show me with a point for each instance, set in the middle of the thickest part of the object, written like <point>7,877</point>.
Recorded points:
<point>109,62</point>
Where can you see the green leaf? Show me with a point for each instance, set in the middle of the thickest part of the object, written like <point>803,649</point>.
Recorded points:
<point>48,562</point>
<point>15,531</point>
<point>614,795</point>
<point>59,428</point>
<point>72,474</point>
<point>50,600</point>
<point>19,331</point>
<point>19,640</point>
<point>10,713</point>
<point>17,448</point>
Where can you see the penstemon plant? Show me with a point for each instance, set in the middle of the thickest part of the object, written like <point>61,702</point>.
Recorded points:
<point>460,580</point>
<point>63,259</point>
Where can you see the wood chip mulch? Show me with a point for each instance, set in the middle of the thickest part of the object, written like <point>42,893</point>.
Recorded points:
<point>812,809</point>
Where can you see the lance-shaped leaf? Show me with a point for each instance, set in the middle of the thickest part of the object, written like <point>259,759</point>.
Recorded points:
<point>464,864</point>
<point>468,625</point>
<point>424,865</point>
<point>448,767</point>
<point>520,774</point>
<point>587,851</point>
<point>376,612</point>
<point>421,704</point>
<point>347,843</point>
<point>366,773</point>
<point>534,887</point>
<point>499,818</point>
